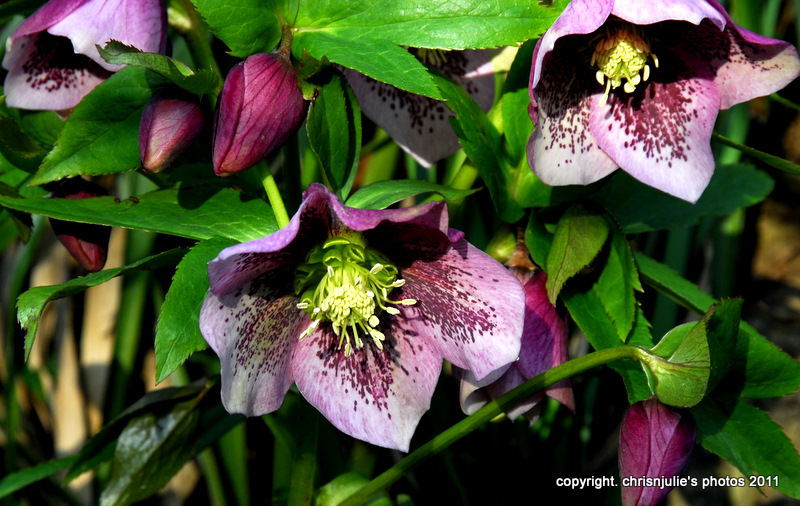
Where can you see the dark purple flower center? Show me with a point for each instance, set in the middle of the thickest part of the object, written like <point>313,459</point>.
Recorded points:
<point>622,52</point>
<point>53,64</point>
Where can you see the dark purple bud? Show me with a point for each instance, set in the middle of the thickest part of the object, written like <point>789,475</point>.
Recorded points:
<point>170,123</point>
<point>260,107</point>
<point>654,442</point>
<point>87,243</point>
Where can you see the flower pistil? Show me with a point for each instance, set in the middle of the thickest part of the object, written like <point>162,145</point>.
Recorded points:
<point>622,54</point>
<point>348,284</point>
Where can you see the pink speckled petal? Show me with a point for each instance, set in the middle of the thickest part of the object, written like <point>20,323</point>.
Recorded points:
<point>471,307</point>
<point>562,149</point>
<point>253,331</point>
<point>661,135</point>
<point>374,395</point>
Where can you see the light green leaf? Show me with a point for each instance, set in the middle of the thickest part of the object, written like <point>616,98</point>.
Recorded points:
<point>246,26</point>
<point>382,194</point>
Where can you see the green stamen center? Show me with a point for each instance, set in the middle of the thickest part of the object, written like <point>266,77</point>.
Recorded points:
<point>622,54</point>
<point>347,284</point>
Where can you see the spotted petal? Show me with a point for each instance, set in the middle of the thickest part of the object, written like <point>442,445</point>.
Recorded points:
<point>253,331</point>
<point>662,136</point>
<point>373,395</point>
<point>470,306</point>
<point>562,149</point>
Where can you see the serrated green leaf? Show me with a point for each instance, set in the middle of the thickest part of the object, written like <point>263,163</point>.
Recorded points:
<point>617,282</point>
<point>178,329</point>
<point>483,145</point>
<point>382,194</point>
<point>538,239</point>
<point>580,236</point>
<point>640,208</point>
<point>376,58</point>
<point>749,439</point>
<point>101,135</point>
<point>196,213</point>
<point>334,132</point>
<point>246,26</point>
<point>441,24</point>
<point>200,82</point>
<point>100,447</point>
<point>149,451</point>
<point>723,332</point>
<point>18,148</point>
<point>31,303</point>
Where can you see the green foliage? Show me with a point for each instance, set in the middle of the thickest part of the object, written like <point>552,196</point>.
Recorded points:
<point>245,26</point>
<point>382,194</point>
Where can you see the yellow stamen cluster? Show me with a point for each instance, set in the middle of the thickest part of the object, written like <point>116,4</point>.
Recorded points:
<point>622,54</point>
<point>347,284</point>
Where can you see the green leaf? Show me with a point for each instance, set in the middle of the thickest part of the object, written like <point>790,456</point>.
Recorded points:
<point>580,236</point>
<point>18,148</point>
<point>246,26</point>
<point>749,439</point>
<point>31,304</point>
<point>640,208</point>
<point>538,239</point>
<point>382,194</point>
<point>759,368</point>
<point>681,372</point>
<point>723,332</point>
<point>101,136</point>
<point>22,221</point>
<point>203,81</point>
<point>483,145</point>
<point>178,329</point>
<point>196,213</point>
<point>100,447</point>
<point>21,479</point>
<point>441,24</point>
<point>771,160</point>
<point>334,132</point>
<point>617,282</point>
<point>376,58</point>
<point>149,451</point>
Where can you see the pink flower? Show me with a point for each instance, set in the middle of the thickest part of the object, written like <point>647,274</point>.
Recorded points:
<point>358,308</point>
<point>260,107</point>
<point>87,243</point>
<point>52,60</point>
<point>638,85</point>
<point>169,125</point>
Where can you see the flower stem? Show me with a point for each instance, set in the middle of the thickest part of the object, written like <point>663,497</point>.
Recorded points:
<point>273,195</point>
<point>488,412</point>
<point>184,18</point>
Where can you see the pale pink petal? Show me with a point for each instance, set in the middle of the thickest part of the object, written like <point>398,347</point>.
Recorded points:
<point>562,150</point>
<point>473,394</point>
<point>661,135</point>
<point>470,306</point>
<point>253,331</point>
<point>509,381</point>
<point>374,395</point>
<point>646,13</point>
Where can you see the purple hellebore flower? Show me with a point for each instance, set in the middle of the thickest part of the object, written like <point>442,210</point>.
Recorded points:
<point>654,442</point>
<point>544,346</point>
<point>421,125</point>
<point>678,63</point>
<point>170,123</point>
<point>358,308</point>
<point>87,243</point>
<point>52,59</point>
<point>260,107</point>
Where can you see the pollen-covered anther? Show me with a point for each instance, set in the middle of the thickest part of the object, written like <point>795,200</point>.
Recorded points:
<point>622,54</point>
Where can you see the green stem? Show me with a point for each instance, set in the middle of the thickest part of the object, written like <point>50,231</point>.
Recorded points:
<point>487,413</point>
<point>273,195</point>
<point>185,19</point>
<point>304,466</point>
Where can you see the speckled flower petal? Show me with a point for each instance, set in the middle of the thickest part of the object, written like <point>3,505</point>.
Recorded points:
<point>253,331</point>
<point>562,149</point>
<point>421,125</point>
<point>374,395</point>
<point>138,23</point>
<point>468,305</point>
<point>661,136</point>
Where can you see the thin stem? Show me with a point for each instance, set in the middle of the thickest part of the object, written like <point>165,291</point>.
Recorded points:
<point>185,19</point>
<point>488,412</point>
<point>273,195</point>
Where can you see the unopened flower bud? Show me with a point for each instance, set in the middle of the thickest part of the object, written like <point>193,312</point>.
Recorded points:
<point>654,442</point>
<point>260,107</point>
<point>87,243</point>
<point>170,123</point>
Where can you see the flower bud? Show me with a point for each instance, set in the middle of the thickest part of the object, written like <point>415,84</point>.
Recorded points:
<point>260,107</point>
<point>654,442</point>
<point>170,123</point>
<point>87,243</point>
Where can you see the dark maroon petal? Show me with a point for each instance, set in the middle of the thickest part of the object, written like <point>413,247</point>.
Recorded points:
<point>655,442</point>
<point>260,107</point>
<point>253,331</point>
<point>168,127</point>
<point>87,243</point>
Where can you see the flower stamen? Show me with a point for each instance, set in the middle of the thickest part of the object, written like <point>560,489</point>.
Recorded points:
<point>622,54</point>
